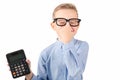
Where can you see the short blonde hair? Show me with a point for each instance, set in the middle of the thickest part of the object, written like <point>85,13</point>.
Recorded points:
<point>65,6</point>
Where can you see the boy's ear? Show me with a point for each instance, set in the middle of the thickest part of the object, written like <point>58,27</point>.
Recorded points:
<point>53,25</point>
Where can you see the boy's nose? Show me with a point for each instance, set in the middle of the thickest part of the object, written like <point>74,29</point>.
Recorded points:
<point>67,24</point>
<point>69,27</point>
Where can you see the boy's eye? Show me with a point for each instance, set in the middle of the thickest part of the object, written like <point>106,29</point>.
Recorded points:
<point>61,21</point>
<point>75,22</point>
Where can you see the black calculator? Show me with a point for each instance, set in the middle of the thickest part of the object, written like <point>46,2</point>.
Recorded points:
<point>17,63</point>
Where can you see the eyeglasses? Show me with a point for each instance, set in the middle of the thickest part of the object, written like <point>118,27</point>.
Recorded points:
<point>73,22</point>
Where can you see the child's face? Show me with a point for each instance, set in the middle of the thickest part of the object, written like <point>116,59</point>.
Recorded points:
<point>66,31</point>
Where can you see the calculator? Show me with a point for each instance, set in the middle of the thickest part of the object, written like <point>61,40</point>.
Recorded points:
<point>17,63</point>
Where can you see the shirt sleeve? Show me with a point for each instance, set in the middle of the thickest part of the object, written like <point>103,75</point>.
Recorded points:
<point>41,71</point>
<point>75,60</point>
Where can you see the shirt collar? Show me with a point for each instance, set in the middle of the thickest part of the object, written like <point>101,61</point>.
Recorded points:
<point>65,46</point>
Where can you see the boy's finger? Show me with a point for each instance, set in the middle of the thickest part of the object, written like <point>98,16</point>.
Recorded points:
<point>28,61</point>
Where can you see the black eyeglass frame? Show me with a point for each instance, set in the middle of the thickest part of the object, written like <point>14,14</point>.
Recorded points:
<point>67,20</point>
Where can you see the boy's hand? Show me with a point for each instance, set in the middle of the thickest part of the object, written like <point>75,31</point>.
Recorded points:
<point>29,76</point>
<point>66,34</point>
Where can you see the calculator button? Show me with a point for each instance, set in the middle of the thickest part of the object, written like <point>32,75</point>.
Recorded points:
<point>22,65</point>
<point>15,67</point>
<point>11,65</point>
<point>17,74</point>
<point>14,73</point>
<point>12,68</point>
<point>21,73</point>
<point>23,70</point>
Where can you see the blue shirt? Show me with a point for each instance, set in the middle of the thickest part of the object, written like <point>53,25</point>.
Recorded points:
<point>63,61</point>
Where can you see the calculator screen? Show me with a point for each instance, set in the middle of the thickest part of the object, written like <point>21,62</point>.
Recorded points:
<point>15,56</point>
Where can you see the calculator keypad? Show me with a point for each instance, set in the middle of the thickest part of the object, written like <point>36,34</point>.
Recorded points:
<point>19,69</point>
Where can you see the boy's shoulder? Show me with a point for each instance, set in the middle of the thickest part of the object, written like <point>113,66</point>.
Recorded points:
<point>80,42</point>
<point>48,49</point>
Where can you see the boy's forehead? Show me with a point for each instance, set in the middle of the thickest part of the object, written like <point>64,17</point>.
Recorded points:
<point>66,13</point>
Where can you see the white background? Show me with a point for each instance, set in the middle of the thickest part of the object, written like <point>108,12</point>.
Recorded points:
<point>26,24</point>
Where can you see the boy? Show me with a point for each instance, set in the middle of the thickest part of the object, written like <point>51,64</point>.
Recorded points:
<point>66,58</point>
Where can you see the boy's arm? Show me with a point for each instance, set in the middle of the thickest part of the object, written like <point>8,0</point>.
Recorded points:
<point>29,76</point>
<point>42,74</point>
<point>41,71</point>
<point>75,60</point>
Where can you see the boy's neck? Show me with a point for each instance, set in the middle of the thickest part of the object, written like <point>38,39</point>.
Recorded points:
<point>65,41</point>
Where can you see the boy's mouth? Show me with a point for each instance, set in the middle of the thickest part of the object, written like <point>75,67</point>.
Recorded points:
<point>72,30</point>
